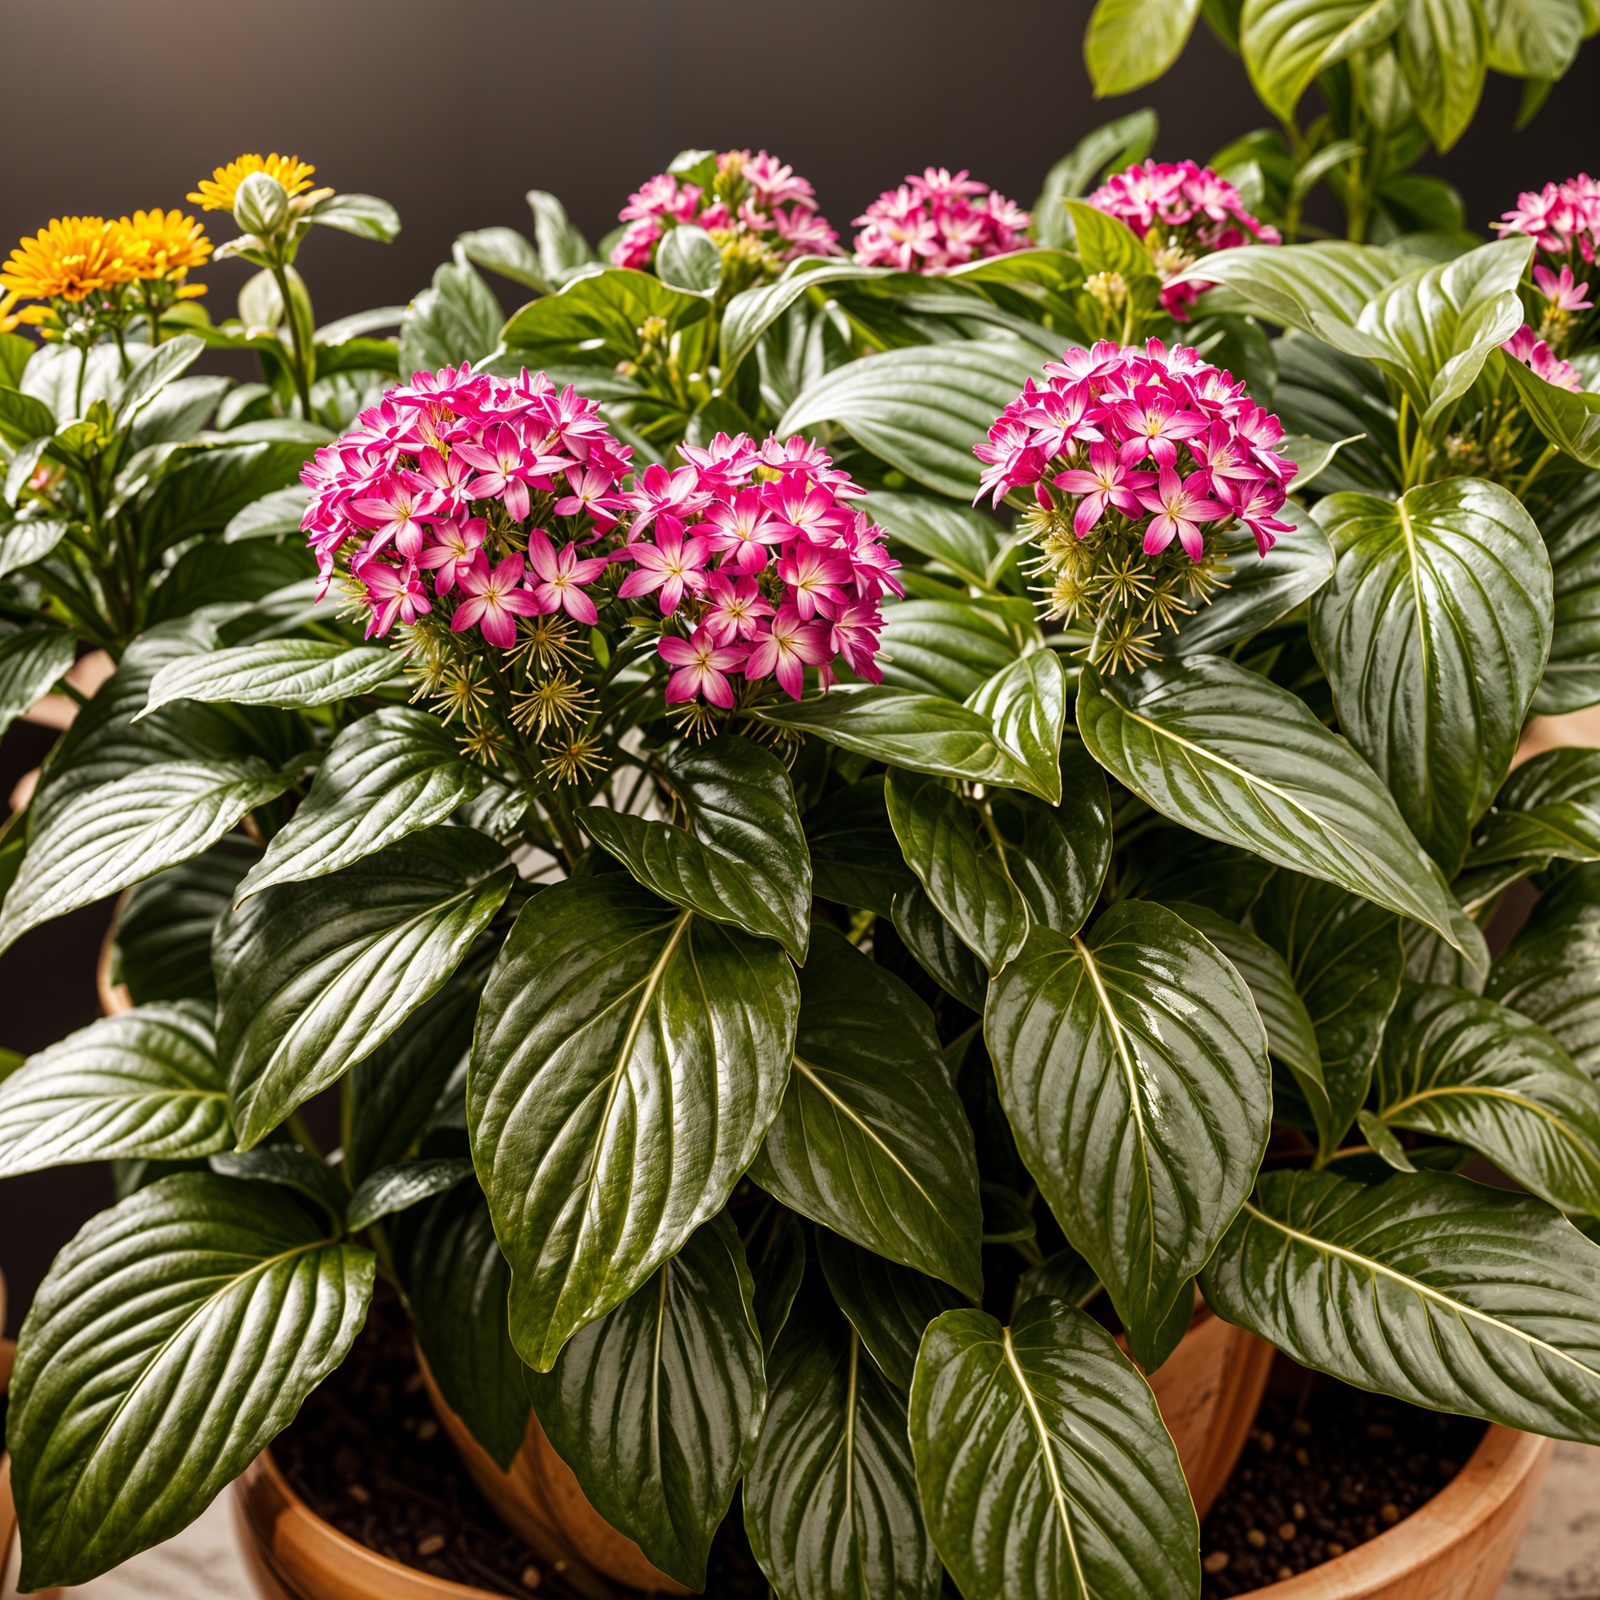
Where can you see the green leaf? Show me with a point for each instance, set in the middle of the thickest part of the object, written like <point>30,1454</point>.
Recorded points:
<point>563,250</point>
<point>1112,146</point>
<point>384,778</point>
<point>213,573</point>
<point>888,1305</point>
<point>293,673</point>
<point>1345,956</point>
<point>1572,535</point>
<point>457,1281</point>
<point>748,867</point>
<point>920,409</point>
<point>31,660</point>
<point>456,320</point>
<point>172,1340</point>
<point>1434,634</point>
<point>1533,38</point>
<point>162,948</point>
<point>23,543</point>
<point>969,544</point>
<point>115,835</point>
<point>1427,1287</point>
<point>1107,243</point>
<point>1550,806</point>
<point>1133,1068</point>
<point>1286,43</point>
<point>313,977</point>
<point>1312,457</point>
<point>855,857</point>
<point>294,1168</point>
<point>1444,55</point>
<point>751,312</point>
<point>1570,421</point>
<point>402,1186</point>
<point>1260,590</point>
<point>144,1083</point>
<point>1026,703</point>
<point>629,1059</point>
<point>150,373</point>
<point>938,948</point>
<point>1006,1217</point>
<point>212,487</point>
<point>276,516</point>
<point>364,215</point>
<point>1475,1072</point>
<point>1551,970</point>
<point>777,1277</point>
<point>944,647</point>
<point>1234,757</point>
<point>921,732</point>
<point>1129,44</point>
<point>595,320</point>
<point>871,1096</point>
<point>1298,283</point>
<point>23,418</point>
<point>830,1504</point>
<point>688,259</point>
<point>658,1406</point>
<point>1064,1275</point>
<point>507,252</point>
<point>1385,1144</point>
<point>1044,1467</point>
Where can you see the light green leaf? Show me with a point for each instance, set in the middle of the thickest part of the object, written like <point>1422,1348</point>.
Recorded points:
<point>1130,44</point>
<point>688,259</point>
<point>31,659</point>
<point>457,319</point>
<point>1444,55</point>
<point>1286,43</point>
<point>751,312</point>
<point>364,215</point>
<point>1569,420</point>
<point>507,252</point>
<point>1533,38</point>
<point>1298,283</point>
<point>294,673</point>
<point>1111,146</point>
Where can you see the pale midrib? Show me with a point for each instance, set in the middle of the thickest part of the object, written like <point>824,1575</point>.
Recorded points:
<point>1487,1092</point>
<point>1421,1290</point>
<point>1119,1043</point>
<point>810,1074</point>
<point>1058,1492</point>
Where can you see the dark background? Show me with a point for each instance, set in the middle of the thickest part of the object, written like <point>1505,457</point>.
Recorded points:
<point>452,111</point>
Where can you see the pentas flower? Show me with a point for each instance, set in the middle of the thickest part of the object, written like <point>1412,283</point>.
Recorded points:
<point>1181,212</point>
<point>1562,218</point>
<point>1528,348</point>
<point>755,207</point>
<point>935,222</point>
<point>1136,464</point>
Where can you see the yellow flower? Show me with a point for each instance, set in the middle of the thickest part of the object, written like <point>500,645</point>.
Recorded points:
<point>218,192</point>
<point>71,259</point>
<point>165,243</point>
<point>7,320</point>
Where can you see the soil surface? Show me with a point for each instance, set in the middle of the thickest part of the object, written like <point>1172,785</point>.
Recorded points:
<point>367,1454</point>
<point>1324,1470</point>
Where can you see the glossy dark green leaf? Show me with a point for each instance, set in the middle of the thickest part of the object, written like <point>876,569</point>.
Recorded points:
<point>384,777</point>
<point>1430,960</point>
<point>1286,43</point>
<point>457,1282</point>
<point>402,1186</point>
<point>745,864</point>
<point>629,1059</point>
<point>456,319</point>
<point>921,409</point>
<point>1434,634</point>
<point>938,948</point>
<point>1026,703</point>
<point>292,1166</point>
<point>871,1139</point>
<point>888,1305</point>
<point>595,319</point>
<point>944,647</point>
<point>657,1407</point>
<point>1444,55</point>
<point>1129,45</point>
<point>1006,1218</point>
<point>172,1340</point>
<point>855,857</point>
<point>1259,590</point>
<point>1478,1073</point>
<point>1569,420</point>
<point>1428,1287</point>
<point>215,574</point>
<point>278,672</point>
<point>313,977</point>
<point>1551,970</point>
<point>830,1504</point>
<point>1345,956</point>
<point>1064,1276</point>
<point>1230,755</point>
<point>972,546</point>
<point>162,944</point>
<point>1550,806</point>
<point>1134,1069</point>
<point>1572,535</point>
<point>31,660</point>
<point>212,487</point>
<point>144,1084</point>
<point>128,830</point>
<point>777,1266</point>
<point>921,732</point>
<point>1045,1470</point>
<point>750,313</point>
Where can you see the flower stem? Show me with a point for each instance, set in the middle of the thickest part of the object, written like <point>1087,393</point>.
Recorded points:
<point>302,388</point>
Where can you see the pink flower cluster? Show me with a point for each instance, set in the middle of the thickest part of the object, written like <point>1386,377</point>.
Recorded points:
<point>761,555</point>
<point>1191,211</point>
<point>1564,218</point>
<point>938,221</point>
<point>1527,347</point>
<point>1158,437</point>
<point>408,485</point>
<point>777,206</point>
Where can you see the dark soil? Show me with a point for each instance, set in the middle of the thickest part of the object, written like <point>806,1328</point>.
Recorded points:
<point>367,1455</point>
<point>1325,1469</point>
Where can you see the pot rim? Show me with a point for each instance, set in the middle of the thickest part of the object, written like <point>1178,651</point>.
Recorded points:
<point>314,1530</point>
<point>1494,1473</point>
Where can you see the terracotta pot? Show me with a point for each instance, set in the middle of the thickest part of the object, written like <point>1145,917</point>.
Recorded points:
<point>1457,1546</point>
<point>540,1501</point>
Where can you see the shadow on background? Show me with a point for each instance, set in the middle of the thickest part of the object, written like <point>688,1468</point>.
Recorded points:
<point>452,112</point>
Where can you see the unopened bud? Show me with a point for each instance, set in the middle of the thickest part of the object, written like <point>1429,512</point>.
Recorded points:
<point>261,205</point>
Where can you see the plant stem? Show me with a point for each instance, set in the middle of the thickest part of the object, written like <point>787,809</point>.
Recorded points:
<point>302,388</point>
<point>296,1123</point>
<point>1534,471</point>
